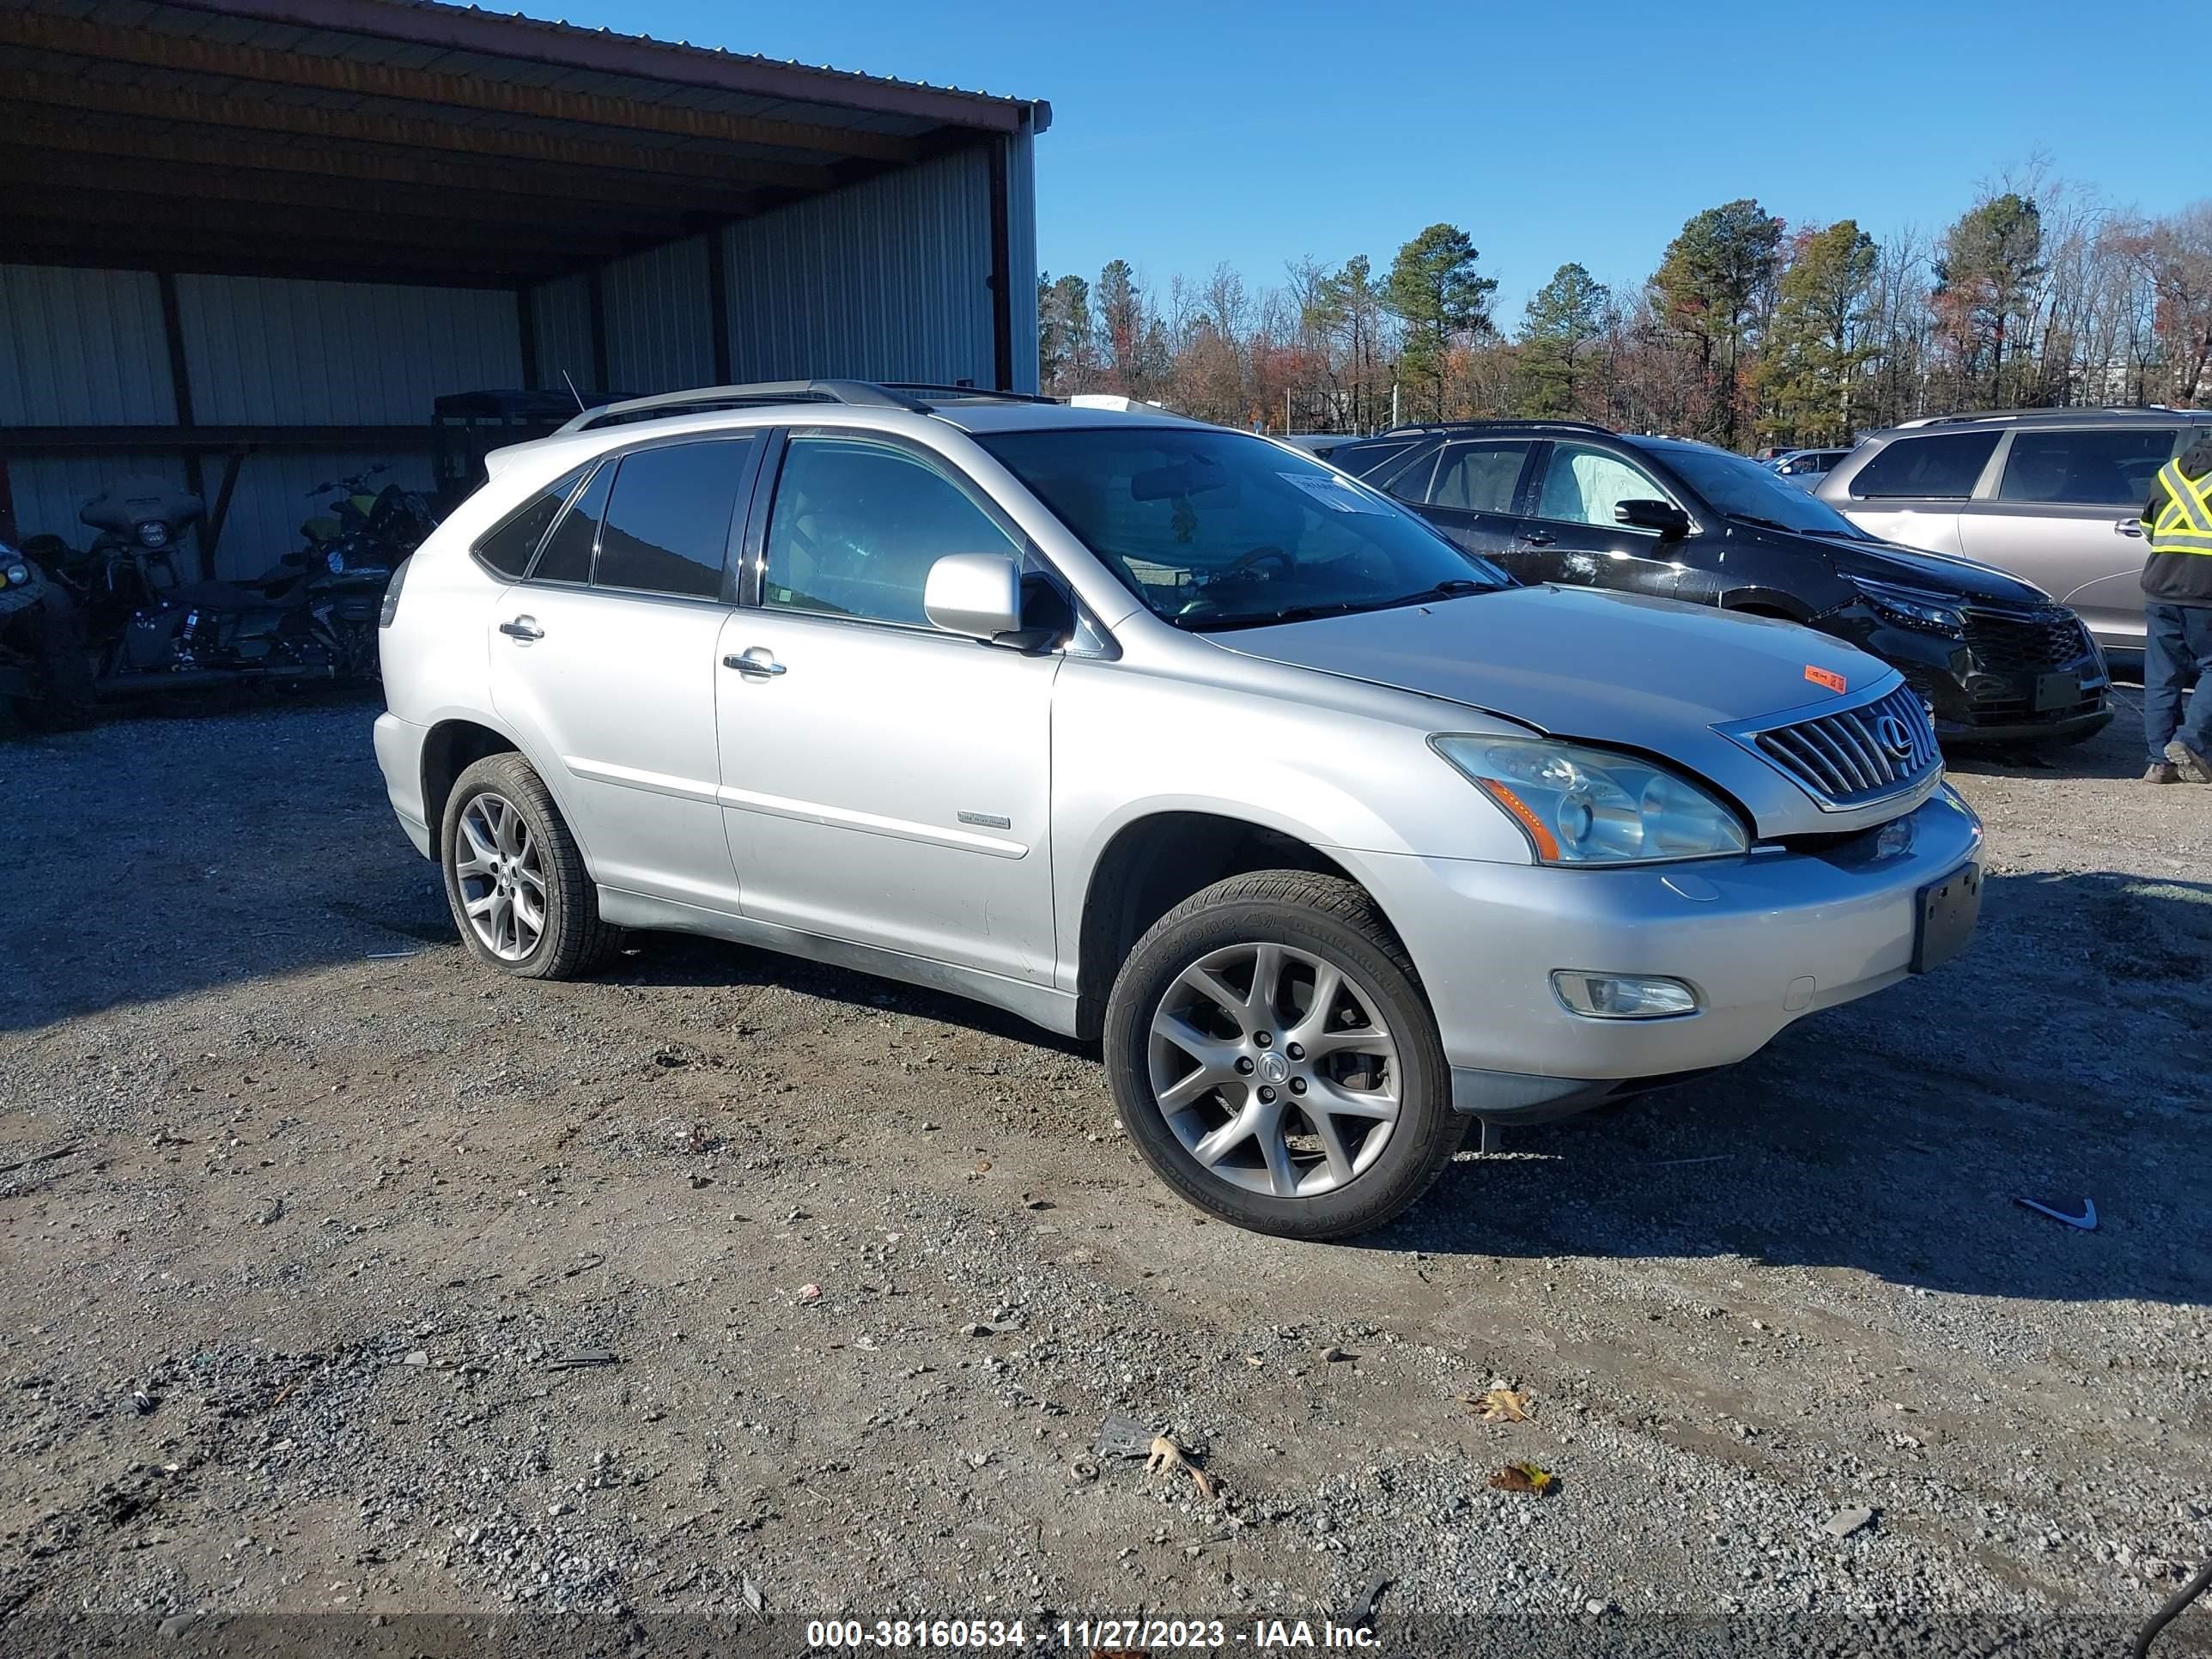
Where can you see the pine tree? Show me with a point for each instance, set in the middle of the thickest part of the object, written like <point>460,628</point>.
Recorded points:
<point>1818,343</point>
<point>1442,298</point>
<point>1716,284</point>
<point>1564,318</point>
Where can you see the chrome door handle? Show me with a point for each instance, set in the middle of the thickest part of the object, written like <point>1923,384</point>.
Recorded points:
<point>522,628</point>
<point>1538,539</point>
<point>757,660</point>
<point>2128,527</point>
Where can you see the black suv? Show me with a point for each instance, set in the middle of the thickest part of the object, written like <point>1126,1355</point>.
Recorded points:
<point>1994,657</point>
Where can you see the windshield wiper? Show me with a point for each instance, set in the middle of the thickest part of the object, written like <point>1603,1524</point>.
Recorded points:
<point>1450,589</point>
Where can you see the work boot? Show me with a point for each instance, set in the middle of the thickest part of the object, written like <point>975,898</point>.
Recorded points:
<point>2162,772</point>
<point>2193,766</point>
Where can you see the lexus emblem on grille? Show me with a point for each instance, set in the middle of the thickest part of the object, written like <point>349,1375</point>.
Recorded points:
<point>1896,737</point>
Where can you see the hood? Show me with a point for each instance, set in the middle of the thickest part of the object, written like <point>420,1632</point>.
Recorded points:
<point>1612,669</point>
<point>1931,573</point>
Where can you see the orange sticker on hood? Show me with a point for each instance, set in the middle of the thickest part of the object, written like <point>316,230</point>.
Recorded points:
<point>1822,676</point>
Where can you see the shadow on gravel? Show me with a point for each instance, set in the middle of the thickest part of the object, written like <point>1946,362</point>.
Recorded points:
<point>2062,1058</point>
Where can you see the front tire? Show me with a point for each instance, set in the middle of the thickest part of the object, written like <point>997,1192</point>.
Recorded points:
<point>515,878</point>
<point>1275,1060</point>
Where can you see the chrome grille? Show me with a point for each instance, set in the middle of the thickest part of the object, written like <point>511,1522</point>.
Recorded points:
<point>1854,755</point>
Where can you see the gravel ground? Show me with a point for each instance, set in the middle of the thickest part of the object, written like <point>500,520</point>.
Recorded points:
<point>341,1277</point>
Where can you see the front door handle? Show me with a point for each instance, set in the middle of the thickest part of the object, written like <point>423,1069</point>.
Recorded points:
<point>758,660</point>
<point>522,628</point>
<point>1538,539</point>
<point>2128,527</point>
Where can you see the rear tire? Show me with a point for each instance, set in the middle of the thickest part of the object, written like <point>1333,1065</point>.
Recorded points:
<point>1275,1060</point>
<point>516,878</point>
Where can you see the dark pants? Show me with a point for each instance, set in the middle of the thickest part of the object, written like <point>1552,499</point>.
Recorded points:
<point>2177,653</point>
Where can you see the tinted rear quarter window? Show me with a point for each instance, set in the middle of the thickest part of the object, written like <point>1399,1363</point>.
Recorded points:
<point>2086,467</point>
<point>508,547</point>
<point>1941,464</point>
<point>668,521</point>
<point>567,555</point>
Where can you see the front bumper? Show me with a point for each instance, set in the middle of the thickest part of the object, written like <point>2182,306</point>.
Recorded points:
<point>399,753</point>
<point>1763,939</point>
<point>1983,688</point>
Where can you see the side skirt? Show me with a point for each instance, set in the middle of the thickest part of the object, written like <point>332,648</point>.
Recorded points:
<point>1041,1004</point>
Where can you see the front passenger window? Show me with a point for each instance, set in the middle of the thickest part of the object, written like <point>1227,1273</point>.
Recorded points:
<point>1583,485</point>
<point>858,524</point>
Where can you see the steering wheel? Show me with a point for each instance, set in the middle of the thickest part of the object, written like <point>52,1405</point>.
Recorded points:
<point>1254,558</point>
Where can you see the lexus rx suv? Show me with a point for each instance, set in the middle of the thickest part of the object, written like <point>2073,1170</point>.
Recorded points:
<point>1577,505</point>
<point>2053,495</point>
<point>1335,836</point>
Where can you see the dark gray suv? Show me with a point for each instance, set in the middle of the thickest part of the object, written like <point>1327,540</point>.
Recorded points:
<point>2050,494</point>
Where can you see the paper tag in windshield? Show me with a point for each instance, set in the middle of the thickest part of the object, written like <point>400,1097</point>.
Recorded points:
<point>1333,492</point>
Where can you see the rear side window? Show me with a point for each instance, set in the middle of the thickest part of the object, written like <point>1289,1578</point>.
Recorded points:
<point>1942,464</point>
<point>1479,477</point>
<point>668,521</point>
<point>2085,467</point>
<point>567,555</point>
<point>508,549</point>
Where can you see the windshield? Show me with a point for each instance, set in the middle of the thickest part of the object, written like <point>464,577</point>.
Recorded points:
<point>1213,529</point>
<point>1745,489</point>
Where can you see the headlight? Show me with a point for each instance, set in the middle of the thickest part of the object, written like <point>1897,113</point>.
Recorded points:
<point>17,574</point>
<point>152,532</point>
<point>1590,806</point>
<point>1931,612</point>
<point>334,562</point>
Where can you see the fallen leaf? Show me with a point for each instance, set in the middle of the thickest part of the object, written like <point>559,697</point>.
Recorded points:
<point>810,1292</point>
<point>982,1166</point>
<point>1498,1405</point>
<point>1522,1477</point>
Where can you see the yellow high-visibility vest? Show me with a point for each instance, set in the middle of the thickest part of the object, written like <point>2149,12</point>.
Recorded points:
<point>2185,523</point>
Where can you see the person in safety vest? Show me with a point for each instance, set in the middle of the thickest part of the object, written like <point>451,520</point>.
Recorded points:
<point>2177,582</point>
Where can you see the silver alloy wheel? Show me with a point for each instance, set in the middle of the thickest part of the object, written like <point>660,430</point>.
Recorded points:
<point>503,879</point>
<point>1274,1069</point>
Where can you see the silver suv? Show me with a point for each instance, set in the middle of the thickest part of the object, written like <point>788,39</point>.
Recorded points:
<point>2053,495</point>
<point>1157,733</point>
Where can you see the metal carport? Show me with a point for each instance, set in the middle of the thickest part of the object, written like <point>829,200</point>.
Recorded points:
<point>246,242</point>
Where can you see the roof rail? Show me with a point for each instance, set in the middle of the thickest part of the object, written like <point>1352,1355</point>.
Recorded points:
<point>1496,420</point>
<point>981,393</point>
<point>705,399</point>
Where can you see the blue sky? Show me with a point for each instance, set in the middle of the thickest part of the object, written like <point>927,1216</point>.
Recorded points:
<point>1187,134</point>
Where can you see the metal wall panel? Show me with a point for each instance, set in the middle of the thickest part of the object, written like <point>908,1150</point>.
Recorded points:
<point>272,350</point>
<point>81,347</point>
<point>562,310</point>
<point>659,319</point>
<point>886,280</point>
<point>1022,260</point>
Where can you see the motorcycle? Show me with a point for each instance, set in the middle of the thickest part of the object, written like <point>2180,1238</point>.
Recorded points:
<point>310,616</point>
<point>42,663</point>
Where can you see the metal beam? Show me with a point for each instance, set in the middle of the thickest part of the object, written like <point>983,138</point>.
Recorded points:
<point>79,252</point>
<point>458,28</point>
<point>160,221</point>
<point>52,131</point>
<point>88,97</point>
<point>204,440</point>
<point>336,72</point>
<point>86,178</point>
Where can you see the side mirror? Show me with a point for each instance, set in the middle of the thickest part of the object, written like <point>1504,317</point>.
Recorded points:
<point>977,594</point>
<point>1668,520</point>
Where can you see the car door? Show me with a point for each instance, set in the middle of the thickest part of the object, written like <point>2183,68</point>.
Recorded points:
<point>2065,515</point>
<point>1472,493</point>
<point>1914,489</point>
<point>1570,535</point>
<point>884,782</point>
<point>603,663</point>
